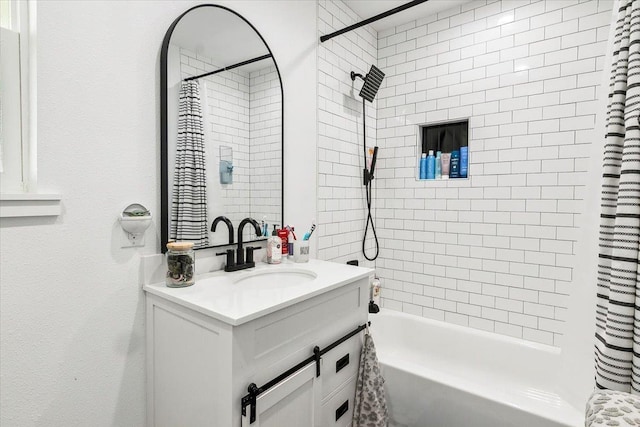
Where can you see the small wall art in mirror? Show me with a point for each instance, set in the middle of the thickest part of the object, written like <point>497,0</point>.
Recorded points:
<point>221,128</point>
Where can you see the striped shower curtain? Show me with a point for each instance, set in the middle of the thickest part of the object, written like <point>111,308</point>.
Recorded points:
<point>617,349</point>
<point>189,202</point>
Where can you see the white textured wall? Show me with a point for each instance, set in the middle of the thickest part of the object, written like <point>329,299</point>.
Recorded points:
<point>71,311</point>
<point>341,195</point>
<point>495,252</point>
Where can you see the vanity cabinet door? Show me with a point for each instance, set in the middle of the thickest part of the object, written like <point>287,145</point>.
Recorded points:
<point>337,410</point>
<point>293,402</point>
<point>340,364</point>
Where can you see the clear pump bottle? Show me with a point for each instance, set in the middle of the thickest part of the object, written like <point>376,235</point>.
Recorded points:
<point>274,247</point>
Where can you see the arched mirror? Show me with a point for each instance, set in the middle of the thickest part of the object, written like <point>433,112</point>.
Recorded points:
<point>221,128</point>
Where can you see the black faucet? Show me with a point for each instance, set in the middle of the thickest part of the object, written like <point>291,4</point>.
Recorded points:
<point>229,226</point>
<point>242,262</point>
<point>239,252</point>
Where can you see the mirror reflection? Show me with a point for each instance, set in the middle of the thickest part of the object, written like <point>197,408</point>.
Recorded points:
<point>223,128</point>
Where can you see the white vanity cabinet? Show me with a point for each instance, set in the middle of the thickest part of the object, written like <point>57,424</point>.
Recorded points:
<point>199,366</point>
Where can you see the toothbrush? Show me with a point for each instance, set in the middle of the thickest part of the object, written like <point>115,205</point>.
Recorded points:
<point>289,228</point>
<point>308,234</point>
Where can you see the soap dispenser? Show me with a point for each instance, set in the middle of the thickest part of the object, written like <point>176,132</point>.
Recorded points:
<point>274,247</point>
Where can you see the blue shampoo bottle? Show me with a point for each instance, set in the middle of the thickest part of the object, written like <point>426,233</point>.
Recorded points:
<point>431,166</point>
<point>438,165</point>
<point>464,162</point>
<point>454,171</point>
<point>423,166</point>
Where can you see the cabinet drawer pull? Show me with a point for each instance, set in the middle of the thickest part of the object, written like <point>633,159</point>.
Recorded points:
<point>342,409</point>
<point>342,362</point>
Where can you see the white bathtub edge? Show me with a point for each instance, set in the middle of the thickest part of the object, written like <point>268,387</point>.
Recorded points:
<point>541,400</point>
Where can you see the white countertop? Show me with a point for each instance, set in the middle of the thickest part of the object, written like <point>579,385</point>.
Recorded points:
<point>218,295</point>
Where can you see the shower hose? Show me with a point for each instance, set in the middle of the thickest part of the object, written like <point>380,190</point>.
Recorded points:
<point>369,193</point>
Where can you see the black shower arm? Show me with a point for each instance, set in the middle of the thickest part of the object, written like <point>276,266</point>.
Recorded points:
<point>354,75</point>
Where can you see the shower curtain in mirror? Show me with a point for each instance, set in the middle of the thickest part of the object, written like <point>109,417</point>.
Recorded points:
<point>617,349</point>
<point>189,200</point>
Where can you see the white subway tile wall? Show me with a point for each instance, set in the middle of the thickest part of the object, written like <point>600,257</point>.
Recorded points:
<point>225,110</point>
<point>341,195</point>
<point>243,112</point>
<point>495,252</point>
<point>265,145</point>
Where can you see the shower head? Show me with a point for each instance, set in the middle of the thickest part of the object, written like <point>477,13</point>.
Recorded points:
<point>372,82</point>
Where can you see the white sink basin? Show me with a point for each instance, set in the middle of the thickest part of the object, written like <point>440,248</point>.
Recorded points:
<point>275,278</point>
<point>241,296</point>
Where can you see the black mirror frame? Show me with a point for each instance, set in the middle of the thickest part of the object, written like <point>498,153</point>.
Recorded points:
<point>164,133</point>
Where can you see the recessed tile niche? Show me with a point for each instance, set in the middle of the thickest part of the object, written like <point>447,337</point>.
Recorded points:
<point>451,139</point>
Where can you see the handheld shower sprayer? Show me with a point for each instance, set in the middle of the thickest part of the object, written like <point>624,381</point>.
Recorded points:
<point>368,174</point>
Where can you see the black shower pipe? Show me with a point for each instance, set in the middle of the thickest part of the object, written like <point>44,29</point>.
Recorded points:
<point>372,19</point>
<point>230,67</point>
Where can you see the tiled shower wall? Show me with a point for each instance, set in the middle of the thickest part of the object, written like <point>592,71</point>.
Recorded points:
<point>225,111</point>
<point>341,197</point>
<point>495,252</point>
<point>243,111</point>
<point>266,144</point>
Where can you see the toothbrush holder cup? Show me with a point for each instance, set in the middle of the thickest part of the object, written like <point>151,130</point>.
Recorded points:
<point>301,251</point>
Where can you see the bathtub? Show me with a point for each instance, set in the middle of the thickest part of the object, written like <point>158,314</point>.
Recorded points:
<point>443,375</point>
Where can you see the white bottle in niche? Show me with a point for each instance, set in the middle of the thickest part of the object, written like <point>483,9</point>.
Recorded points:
<point>274,248</point>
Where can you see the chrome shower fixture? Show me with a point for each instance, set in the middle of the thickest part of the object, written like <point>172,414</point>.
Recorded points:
<point>372,82</point>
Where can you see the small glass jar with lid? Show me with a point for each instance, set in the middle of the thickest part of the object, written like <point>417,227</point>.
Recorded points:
<point>181,264</point>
